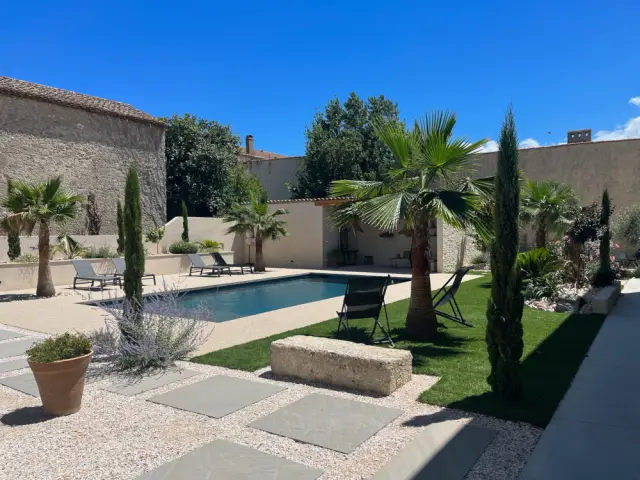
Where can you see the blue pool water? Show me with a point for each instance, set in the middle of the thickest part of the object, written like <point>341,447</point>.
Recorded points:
<point>235,301</point>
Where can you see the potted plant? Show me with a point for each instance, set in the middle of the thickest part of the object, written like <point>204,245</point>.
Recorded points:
<point>59,365</point>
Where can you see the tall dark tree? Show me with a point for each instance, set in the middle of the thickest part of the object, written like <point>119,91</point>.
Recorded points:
<point>504,312</point>
<point>133,246</point>
<point>120,222</point>
<point>185,222</point>
<point>342,143</point>
<point>94,222</point>
<point>605,275</point>
<point>13,242</point>
<point>203,167</point>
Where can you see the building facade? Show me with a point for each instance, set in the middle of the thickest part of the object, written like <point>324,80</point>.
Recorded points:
<point>90,142</point>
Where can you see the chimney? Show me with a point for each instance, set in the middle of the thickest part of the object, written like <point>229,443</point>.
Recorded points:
<point>579,136</point>
<point>249,144</point>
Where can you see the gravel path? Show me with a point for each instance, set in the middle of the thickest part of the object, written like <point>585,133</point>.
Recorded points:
<point>116,437</point>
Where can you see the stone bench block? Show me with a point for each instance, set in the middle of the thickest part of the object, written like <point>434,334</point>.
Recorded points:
<point>604,301</point>
<point>340,363</point>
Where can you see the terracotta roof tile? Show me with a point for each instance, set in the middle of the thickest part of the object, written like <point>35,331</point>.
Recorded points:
<point>20,88</point>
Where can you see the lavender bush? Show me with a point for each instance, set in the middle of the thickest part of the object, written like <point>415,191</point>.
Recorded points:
<point>162,337</point>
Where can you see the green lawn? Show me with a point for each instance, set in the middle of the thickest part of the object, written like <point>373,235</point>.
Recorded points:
<point>555,344</point>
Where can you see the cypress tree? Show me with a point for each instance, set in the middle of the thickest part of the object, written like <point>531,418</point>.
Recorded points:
<point>133,246</point>
<point>605,275</point>
<point>13,241</point>
<point>120,222</point>
<point>185,222</point>
<point>504,312</point>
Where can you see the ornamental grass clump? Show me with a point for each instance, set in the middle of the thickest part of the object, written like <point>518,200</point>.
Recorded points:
<point>157,337</point>
<point>61,347</point>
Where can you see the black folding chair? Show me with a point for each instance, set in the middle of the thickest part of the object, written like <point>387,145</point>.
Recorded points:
<point>364,298</point>
<point>446,296</point>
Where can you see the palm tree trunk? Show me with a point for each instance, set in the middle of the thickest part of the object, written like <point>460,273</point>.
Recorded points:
<point>541,235</point>
<point>45,286</point>
<point>421,320</point>
<point>259,266</point>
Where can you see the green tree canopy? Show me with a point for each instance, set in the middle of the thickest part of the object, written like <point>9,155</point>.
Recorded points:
<point>203,167</point>
<point>342,143</point>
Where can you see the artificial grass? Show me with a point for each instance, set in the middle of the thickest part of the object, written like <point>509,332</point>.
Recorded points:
<point>555,345</point>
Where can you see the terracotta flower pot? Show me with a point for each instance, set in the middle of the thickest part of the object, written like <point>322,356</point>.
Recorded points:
<point>61,384</point>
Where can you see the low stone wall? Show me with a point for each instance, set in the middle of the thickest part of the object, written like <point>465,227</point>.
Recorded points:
<point>341,364</point>
<point>21,276</point>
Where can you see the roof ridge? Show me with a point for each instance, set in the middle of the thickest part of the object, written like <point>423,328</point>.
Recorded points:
<point>69,98</point>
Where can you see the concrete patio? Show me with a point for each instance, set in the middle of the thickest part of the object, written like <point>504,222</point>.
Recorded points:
<point>595,432</point>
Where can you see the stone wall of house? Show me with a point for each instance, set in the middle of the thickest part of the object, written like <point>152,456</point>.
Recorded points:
<point>275,174</point>
<point>91,152</point>
<point>589,167</point>
<point>451,248</point>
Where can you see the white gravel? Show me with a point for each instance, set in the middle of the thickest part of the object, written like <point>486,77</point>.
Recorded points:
<point>117,437</point>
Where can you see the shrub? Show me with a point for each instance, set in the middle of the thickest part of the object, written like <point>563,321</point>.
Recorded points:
<point>479,259</point>
<point>210,246</point>
<point>626,226</point>
<point>159,337</point>
<point>27,258</point>
<point>636,273</point>
<point>183,247</point>
<point>536,263</point>
<point>61,347</point>
<point>104,251</point>
<point>545,286</point>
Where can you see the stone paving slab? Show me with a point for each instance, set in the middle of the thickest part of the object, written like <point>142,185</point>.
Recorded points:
<point>334,423</point>
<point>570,450</point>
<point>223,460</point>
<point>134,386</point>
<point>7,335</point>
<point>25,383</point>
<point>14,349</point>
<point>217,396</point>
<point>444,451</point>
<point>13,365</point>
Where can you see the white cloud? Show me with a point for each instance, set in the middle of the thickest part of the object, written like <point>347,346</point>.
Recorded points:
<point>490,146</point>
<point>631,129</point>
<point>529,143</point>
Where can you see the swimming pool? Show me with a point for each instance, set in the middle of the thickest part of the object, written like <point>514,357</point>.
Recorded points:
<point>228,302</point>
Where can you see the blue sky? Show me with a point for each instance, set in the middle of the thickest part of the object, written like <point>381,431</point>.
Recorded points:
<point>266,67</point>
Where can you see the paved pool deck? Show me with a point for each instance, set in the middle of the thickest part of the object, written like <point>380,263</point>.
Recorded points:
<point>595,432</point>
<point>68,310</point>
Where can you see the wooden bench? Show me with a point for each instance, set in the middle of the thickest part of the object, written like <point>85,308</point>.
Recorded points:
<point>340,363</point>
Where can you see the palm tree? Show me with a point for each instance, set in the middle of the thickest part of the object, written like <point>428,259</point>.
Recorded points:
<point>427,182</point>
<point>548,206</point>
<point>41,204</point>
<point>255,220</point>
